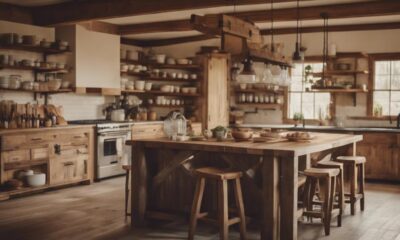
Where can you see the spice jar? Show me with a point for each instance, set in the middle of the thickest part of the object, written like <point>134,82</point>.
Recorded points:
<point>152,116</point>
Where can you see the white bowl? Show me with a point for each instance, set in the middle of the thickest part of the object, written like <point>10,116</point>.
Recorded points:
<point>182,61</point>
<point>36,180</point>
<point>192,90</point>
<point>160,58</point>
<point>139,85</point>
<point>165,88</point>
<point>185,89</point>
<point>148,86</point>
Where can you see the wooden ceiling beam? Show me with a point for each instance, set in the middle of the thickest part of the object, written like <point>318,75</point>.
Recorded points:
<point>14,13</point>
<point>335,28</point>
<point>165,42</point>
<point>335,11</point>
<point>78,11</point>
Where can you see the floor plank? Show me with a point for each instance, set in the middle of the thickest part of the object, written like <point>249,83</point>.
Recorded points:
<point>97,212</point>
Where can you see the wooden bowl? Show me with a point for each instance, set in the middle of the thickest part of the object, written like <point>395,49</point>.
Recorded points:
<point>242,135</point>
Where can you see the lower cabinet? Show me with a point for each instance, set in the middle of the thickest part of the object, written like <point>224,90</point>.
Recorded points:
<point>65,155</point>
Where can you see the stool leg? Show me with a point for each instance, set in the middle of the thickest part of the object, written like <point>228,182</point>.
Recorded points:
<point>223,209</point>
<point>340,190</point>
<point>327,206</point>
<point>198,196</point>
<point>240,206</point>
<point>362,183</point>
<point>126,192</point>
<point>353,184</point>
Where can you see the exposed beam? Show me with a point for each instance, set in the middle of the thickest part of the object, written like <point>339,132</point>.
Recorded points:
<point>99,26</point>
<point>165,42</point>
<point>335,28</point>
<point>335,11</point>
<point>13,13</point>
<point>280,31</point>
<point>77,11</point>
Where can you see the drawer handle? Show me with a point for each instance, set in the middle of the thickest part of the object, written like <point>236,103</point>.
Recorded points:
<point>68,163</point>
<point>77,136</point>
<point>36,139</point>
<point>57,149</point>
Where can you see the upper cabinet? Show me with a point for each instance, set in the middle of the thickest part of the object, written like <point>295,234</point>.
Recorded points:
<point>95,59</point>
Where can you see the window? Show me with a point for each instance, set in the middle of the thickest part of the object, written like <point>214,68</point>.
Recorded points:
<point>386,94</point>
<point>312,105</point>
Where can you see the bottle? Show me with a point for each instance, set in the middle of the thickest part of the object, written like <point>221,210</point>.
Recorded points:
<point>33,119</point>
<point>23,122</point>
<point>37,122</point>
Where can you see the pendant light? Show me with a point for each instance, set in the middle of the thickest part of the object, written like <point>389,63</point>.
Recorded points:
<point>297,54</point>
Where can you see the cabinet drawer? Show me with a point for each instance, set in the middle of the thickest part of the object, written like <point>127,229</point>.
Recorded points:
<point>69,151</point>
<point>74,137</point>
<point>148,131</point>
<point>11,142</point>
<point>15,156</point>
<point>39,153</point>
<point>68,170</point>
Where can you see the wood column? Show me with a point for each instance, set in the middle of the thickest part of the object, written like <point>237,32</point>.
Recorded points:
<point>139,185</point>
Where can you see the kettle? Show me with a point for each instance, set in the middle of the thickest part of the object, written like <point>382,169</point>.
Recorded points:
<point>118,115</point>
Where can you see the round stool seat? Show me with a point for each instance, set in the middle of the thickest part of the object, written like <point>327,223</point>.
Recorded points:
<point>210,172</point>
<point>355,159</point>
<point>330,164</point>
<point>321,172</point>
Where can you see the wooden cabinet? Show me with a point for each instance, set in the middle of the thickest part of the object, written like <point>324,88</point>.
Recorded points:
<point>65,155</point>
<point>382,151</point>
<point>215,105</point>
<point>147,131</point>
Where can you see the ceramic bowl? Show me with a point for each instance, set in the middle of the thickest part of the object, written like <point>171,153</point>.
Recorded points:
<point>160,58</point>
<point>148,86</point>
<point>182,61</point>
<point>165,88</point>
<point>241,135</point>
<point>139,85</point>
<point>54,84</point>
<point>36,180</point>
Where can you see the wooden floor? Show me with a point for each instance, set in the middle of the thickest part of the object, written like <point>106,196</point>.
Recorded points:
<point>96,212</point>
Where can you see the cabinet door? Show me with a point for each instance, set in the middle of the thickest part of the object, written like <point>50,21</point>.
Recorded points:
<point>69,170</point>
<point>217,95</point>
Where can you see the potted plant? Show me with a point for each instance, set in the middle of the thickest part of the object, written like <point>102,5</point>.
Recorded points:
<point>297,117</point>
<point>219,133</point>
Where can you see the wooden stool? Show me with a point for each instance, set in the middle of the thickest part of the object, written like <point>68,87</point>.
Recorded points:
<point>355,165</point>
<point>327,180</point>
<point>222,178</point>
<point>128,169</point>
<point>339,185</point>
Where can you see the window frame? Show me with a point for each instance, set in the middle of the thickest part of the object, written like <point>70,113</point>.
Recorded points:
<point>371,81</point>
<point>286,118</point>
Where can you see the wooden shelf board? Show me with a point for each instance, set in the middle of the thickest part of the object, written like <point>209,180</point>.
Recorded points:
<point>339,55</point>
<point>237,90</point>
<point>340,72</point>
<point>30,48</point>
<point>260,105</point>
<point>374,118</point>
<point>38,69</point>
<point>24,164</point>
<point>137,74</point>
<point>338,90</point>
<point>161,93</point>
<point>131,61</point>
<point>174,66</point>
<point>38,91</point>
<point>167,106</point>
<point>170,79</point>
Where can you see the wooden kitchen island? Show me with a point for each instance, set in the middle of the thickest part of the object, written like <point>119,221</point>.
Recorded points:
<point>163,181</point>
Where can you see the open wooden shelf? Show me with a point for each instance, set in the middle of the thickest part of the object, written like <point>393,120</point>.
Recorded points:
<point>174,66</point>
<point>167,106</point>
<point>338,90</point>
<point>31,48</point>
<point>131,61</point>
<point>137,74</point>
<point>155,92</point>
<point>38,69</point>
<point>339,55</point>
<point>272,106</point>
<point>24,164</point>
<point>38,91</point>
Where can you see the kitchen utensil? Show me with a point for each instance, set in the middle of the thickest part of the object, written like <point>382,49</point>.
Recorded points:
<point>185,89</point>
<point>139,85</point>
<point>148,86</point>
<point>193,90</point>
<point>242,135</point>
<point>54,85</point>
<point>182,61</point>
<point>14,82</point>
<point>193,76</point>
<point>152,116</point>
<point>165,88</point>
<point>29,39</point>
<point>160,58</point>
<point>65,84</point>
<point>4,81</point>
<point>171,61</point>
<point>27,85</point>
<point>45,44</point>
<point>36,180</point>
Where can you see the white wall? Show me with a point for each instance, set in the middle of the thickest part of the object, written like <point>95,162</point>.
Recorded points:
<point>359,41</point>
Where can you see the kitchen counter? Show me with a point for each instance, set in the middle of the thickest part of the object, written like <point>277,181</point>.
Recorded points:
<point>33,130</point>
<point>319,128</point>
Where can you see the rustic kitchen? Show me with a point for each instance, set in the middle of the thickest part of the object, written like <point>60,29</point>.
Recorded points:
<point>174,119</point>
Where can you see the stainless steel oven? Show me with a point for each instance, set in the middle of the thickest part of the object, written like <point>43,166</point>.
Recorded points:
<point>112,152</point>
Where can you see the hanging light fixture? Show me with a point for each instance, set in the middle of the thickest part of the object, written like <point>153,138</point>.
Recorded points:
<point>297,54</point>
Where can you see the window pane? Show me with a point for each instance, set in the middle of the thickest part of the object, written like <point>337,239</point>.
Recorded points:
<point>395,67</point>
<point>382,82</point>
<point>395,103</point>
<point>294,103</point>
<point>382,98</point>
<point>308,105</point>
<point>322,103</point>
<point>395,82</point>
<point>382,67</point>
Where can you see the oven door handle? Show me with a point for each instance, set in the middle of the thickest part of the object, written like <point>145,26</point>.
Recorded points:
<point>114,134</point>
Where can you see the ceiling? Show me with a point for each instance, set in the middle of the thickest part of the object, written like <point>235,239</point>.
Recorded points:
<point>164,17</point>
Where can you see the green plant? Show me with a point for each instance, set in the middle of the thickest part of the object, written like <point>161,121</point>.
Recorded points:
<point>308,72</point>
<point>377,110</point>
<point>298,116</point>
<point>218,129</point>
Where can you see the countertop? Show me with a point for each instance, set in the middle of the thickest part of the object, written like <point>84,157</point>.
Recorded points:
<point>32,130</point>
<point>320,128</point>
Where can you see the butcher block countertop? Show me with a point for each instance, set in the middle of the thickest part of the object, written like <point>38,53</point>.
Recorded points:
<point>35,130</point>
<point>319,128</point>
